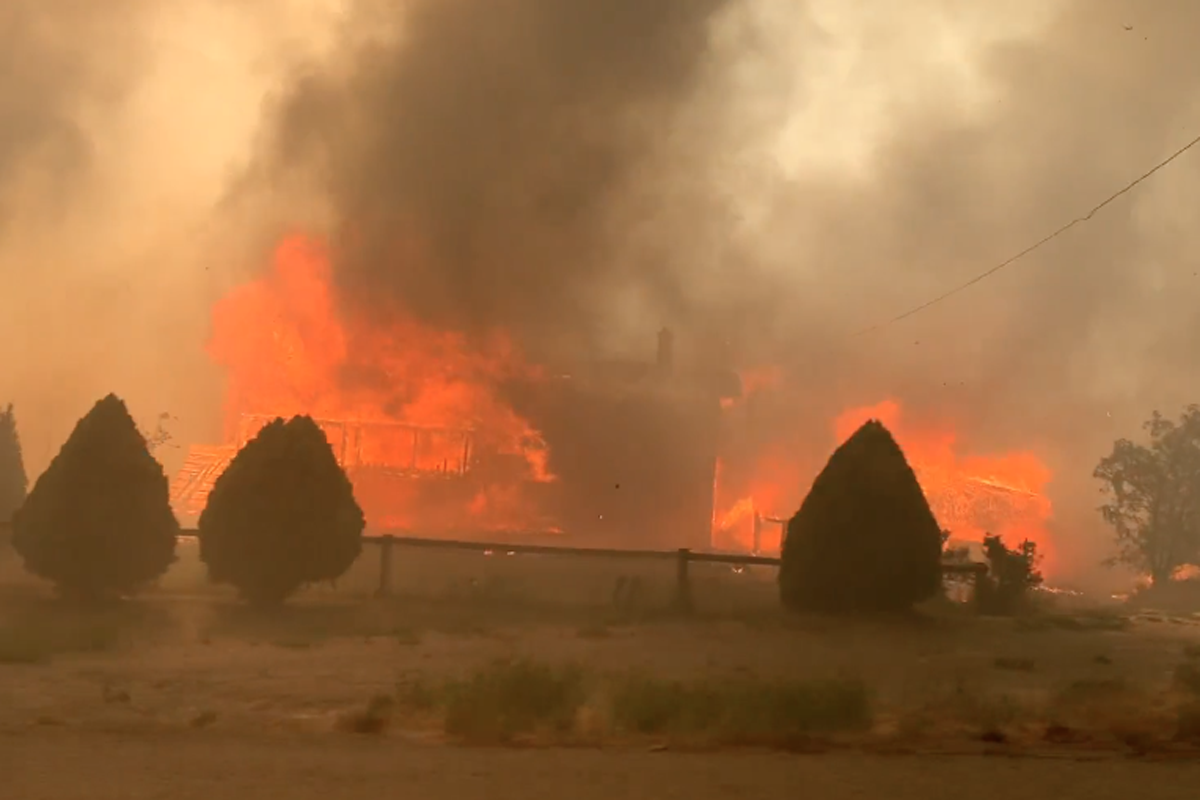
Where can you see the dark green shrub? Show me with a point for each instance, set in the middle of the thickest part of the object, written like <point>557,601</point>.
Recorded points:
<point>98,522</point>
<point>13,480</point>
<point>864,539</point>
<point>1012,575</point>
<point>281,516</point>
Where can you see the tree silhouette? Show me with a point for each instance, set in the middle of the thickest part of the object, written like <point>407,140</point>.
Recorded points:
<point>1153,495</point>
<point>281,516</point>
<point>98,522</point>
<point>864,538</point>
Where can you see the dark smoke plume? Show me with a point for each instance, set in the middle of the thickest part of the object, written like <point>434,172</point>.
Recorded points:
<point>490,165</point>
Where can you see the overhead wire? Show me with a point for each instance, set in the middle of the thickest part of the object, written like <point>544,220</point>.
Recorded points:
<point>982,276</point>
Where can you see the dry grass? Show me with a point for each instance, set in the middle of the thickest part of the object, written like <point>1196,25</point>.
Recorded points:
<point>373,718</point>
<point>741,710</point>
<point>1105,619</point>
<point>508,699</point>
<point>508,650</point>
<point>512,700</point>
<point>1097,714</point>
<point>37,632</point>
<point>26,644</point>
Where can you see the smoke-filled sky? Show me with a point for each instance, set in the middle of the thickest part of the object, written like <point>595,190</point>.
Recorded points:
<point>770,173</point>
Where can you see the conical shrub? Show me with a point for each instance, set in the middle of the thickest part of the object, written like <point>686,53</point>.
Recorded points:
<point>98,522</point>
<point>864,539</point>
<point>281,516</point>
<point>13,481</point>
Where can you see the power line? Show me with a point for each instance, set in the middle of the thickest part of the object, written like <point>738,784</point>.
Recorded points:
<point>1035,246</point>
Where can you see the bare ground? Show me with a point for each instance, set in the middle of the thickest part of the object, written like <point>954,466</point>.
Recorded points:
<point>64,766</point>
<point>187,694</point>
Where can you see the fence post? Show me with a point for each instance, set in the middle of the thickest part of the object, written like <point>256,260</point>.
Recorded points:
<point>385,565</point>
<point>683,585</point>
<point>756,545</point>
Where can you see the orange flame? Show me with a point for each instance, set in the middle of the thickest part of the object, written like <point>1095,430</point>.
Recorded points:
<point>971,495</point>
<point>401,403</point>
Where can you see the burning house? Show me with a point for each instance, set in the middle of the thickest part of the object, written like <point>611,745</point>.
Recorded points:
<point>448,436</point>
<point>625,457</point>
<point>442,437</point>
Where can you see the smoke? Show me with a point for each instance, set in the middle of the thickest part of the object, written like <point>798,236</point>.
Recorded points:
<point>1069,116</point>
<point>771,177</point>
<point>121,124</point>
<point>761,175</point>
<point>510,163</point>
<point>41,87</point>
<point>1066,350</point>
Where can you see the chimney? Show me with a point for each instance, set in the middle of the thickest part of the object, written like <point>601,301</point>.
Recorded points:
<point>666,351</point>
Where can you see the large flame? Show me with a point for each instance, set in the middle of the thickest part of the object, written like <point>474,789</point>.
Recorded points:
<point>416,416</point>
<point>401,403</point>
<point>970,494</point>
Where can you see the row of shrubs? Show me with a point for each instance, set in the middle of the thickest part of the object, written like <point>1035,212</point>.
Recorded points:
<point>98,522</point>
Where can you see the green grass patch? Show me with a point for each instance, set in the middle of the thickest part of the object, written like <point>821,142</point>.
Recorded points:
<point>741,710</point>
<point>516,700</point>
<point>510,699</point>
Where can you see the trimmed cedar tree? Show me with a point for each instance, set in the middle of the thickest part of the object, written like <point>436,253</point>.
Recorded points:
<point>865,539</point>
<point>281,516</point>
<point>98,522</point>
<point>13,480</point>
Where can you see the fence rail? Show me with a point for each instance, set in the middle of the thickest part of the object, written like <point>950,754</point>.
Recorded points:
<point>682,557</point>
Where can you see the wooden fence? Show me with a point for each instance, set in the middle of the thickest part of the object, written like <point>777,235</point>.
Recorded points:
<point>683,558</point>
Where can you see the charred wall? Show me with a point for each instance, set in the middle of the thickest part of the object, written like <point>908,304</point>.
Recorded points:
<point>634,460</point>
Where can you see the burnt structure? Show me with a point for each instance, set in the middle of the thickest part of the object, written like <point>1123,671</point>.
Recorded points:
<point>632,448</point>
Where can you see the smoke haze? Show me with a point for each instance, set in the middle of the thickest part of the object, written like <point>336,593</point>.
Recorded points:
<point>769,175</point>
<point>121,126</point>
<point>1070,348</point>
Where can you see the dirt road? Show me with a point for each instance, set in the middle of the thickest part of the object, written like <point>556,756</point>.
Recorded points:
<point>60,765</point>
